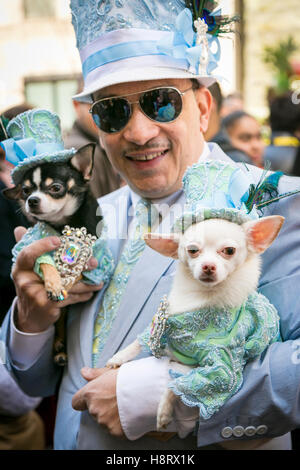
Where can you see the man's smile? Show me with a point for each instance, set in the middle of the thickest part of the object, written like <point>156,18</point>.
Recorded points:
<point>146,159</point>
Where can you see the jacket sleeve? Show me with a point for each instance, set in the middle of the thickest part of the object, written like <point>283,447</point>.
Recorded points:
<point>42,376</point>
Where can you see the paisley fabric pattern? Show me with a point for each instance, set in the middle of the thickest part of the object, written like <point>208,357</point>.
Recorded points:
<point>146,215</point>
<point>215,189</point>
<point>101,252</point>
<point>217,343</point>
<point>108,15</point>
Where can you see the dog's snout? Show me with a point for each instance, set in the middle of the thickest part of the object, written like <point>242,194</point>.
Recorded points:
<point>33,202</point>
<point>209,268</point>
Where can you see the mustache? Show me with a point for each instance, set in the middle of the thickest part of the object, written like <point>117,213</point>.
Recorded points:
<point>151,145</point>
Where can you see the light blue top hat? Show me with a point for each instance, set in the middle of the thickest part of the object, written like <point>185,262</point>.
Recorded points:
<point>215,190</point>
<point>131,40</point>
<point>35,138</point>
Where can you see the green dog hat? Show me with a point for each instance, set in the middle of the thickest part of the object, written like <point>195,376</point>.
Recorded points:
<point>35,138</point>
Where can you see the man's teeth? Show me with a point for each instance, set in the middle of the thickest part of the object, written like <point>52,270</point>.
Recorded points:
<point>146,157</point>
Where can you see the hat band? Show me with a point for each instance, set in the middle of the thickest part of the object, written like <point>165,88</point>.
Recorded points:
<point>118,52</point>
<point>181,46</point>
<point>17,150</point>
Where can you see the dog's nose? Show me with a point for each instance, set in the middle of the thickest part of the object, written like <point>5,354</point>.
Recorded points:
<point>33,202</point>
<point>209,269</point>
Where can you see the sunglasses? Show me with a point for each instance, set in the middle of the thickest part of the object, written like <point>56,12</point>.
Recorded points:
<point>163,104</point>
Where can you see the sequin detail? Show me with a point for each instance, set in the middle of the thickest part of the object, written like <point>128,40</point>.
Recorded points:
<point>217,343</point>
<point>107,15</point>
<point>214,189</point>
<point>101,252</point>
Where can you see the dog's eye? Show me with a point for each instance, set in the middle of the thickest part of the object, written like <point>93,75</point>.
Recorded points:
<point>228,251</point>
<point>55,188</point>
<point>193,250</point>
<point>26,191</point>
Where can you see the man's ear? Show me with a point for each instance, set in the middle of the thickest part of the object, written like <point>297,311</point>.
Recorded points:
<point>262,232</point>
<point>166,245</point>
<point>13,193</point>
<point>83,160</point>
<point>204,101</point>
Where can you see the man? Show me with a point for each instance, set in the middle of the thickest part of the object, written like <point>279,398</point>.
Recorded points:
<point>152,157</point>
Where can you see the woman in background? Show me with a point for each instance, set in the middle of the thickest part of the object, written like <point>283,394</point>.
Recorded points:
<point>244,133</point>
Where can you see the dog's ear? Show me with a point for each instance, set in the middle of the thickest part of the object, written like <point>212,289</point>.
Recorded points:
<point>13,193</point>
<point>166,245</point>
<point>83,160</point>
<point>262,232</point>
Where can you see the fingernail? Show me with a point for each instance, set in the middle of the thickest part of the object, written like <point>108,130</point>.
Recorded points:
<point>93,263</point>
<point>55,241</point>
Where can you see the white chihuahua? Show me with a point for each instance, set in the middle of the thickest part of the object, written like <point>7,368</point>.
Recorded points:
<point>219,266</point>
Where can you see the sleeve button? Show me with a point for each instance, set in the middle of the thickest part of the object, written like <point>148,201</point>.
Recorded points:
<point>226,432</point>
<point>250,431</point>
<point>238,431</point>
<point>262,429</point>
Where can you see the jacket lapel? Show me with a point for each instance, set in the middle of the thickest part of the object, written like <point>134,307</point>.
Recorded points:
<point>114,212</point>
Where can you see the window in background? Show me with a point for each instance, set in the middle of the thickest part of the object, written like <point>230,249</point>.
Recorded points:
<point>39,8</point>
<point>54,94</point>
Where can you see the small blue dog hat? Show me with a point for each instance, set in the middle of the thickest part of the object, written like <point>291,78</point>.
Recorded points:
<point>35,138</point>
<point>123,41</point>
<point>215,190</point>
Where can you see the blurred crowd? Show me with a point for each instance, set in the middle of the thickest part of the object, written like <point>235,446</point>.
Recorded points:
<point>27,423</point>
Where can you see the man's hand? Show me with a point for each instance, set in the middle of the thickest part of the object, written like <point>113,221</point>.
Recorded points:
<point>98,396</point>
<point>35,312</point>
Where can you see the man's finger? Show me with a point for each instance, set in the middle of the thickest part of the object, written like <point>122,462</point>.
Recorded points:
<point>92,263</point>
<point>88,373</point>
<point>19,232</point>
<point>83,288</point>
<point>29,254</point>
<point>79,402</point>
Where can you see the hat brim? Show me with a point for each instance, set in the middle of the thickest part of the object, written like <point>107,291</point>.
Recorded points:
<point>29,163</point>
<point>138,74</point>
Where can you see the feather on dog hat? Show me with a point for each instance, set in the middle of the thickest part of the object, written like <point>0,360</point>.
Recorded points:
<point>34,138</point>
<point>122,41</point>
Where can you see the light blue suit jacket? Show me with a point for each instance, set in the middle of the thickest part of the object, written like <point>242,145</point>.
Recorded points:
<point>270,392</point>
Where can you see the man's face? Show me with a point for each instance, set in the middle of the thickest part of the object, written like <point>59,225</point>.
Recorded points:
<point>245,135</point>
<point>171,146</point>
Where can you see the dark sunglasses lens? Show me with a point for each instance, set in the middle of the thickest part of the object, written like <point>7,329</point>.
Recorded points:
<point>111,115</point>
<point>162,105</point>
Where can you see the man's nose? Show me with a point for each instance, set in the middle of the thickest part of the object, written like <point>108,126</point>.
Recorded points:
<point>140,129</point>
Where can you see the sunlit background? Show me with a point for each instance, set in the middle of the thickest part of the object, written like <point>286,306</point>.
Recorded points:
<point>40,63</point>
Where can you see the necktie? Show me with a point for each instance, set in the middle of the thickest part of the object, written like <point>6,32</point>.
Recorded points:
<point>145,217</point>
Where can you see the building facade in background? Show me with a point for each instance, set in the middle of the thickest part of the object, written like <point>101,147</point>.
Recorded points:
<point>39,62</point>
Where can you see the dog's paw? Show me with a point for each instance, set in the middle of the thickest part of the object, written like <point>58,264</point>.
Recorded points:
<point>163,419</point>
<point>116,361</point>
<point>55,294</point>
<point>165,410</point>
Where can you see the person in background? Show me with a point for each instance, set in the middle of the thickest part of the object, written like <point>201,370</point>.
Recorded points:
<point>231,103</point>
<point>21,428</point>
<point>284,152</point>
<point>216,133</point>
<point>10,216</point>
<point>244,133</point>
<point>104,178</point>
